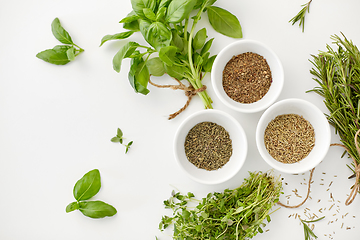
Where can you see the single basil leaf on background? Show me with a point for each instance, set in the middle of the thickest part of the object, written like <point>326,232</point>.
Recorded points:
<point>158,35</point>
<point>70,53</point>
<point>87,186</point>
<point>72,207</point>
<point>224,22</point>
<point>178,10</point>
<point>149,14</point>
<point>139,76</point>
<point>116,36</point>
<point>206,47</point>
<point>208,64</point>
<point>57,55</point>
<point>60,33</point>
<point>124,52</point>
<point>175,71</point>
<point>155,66</point>
<point>168,55</point>
<point>139,5</point>
<point>96,209</point>
<point>199,39</point>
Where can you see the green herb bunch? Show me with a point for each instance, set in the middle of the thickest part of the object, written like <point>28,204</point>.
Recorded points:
<point>232,214</point>
<point>169,27</point>
<point>84,189</point>
<point>338,74</point>
<point>60,54</point>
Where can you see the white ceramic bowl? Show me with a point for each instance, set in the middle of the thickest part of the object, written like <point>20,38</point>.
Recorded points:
<point>239,145</point>
<point>312,114</point>
<point>239,47</point>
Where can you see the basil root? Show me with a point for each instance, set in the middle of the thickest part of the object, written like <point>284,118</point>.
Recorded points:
<point>232,214</point>
<point>183,55</point>
<point>84,189</point>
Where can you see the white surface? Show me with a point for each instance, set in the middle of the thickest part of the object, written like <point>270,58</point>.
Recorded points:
<point>312,114</point>
<point>239,47</point>
<point>57,121</point>
<point>238,143</point>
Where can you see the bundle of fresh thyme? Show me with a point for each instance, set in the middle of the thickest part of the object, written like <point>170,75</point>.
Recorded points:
<point>338,74</point>
<point>232,214</point>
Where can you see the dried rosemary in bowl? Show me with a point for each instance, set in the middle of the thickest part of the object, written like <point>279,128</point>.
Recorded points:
<point>247,77</point>
<point>208,146</point>
<point>289,138</point>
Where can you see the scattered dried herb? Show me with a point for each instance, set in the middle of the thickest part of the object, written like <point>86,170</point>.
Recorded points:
<point>289,138</point>
<point>338,74</point>
<point>247,77</point>
<point>232,214</point>
<point>208,146</point>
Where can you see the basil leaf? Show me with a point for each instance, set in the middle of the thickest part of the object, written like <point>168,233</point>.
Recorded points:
<point>149,14</point>
<point>177,72</point>
<point>116,36</point>
<point>224,22</point>
<point>164,3</point>
<point>206,47</point>
<point>168,55</point>
<point>87,186</point>
<point>177,40</point>
<point>60,33</point>
<point>158,35</point>
<point>139,76</point>
<point>96,209</point>
<point>178,10</point>
<point>155,66</point>
<point>199,39</point>
<point>144,28</point>
<point>208,64</point>
<point>72,207</point>
<point>131,17</point>
<point>160,14</point>
<point>139,5</point>
<point>198,60</point>
<point>70,53</point>
<point>57,55</point>
<point>124,52</point>
<point>131,22</point>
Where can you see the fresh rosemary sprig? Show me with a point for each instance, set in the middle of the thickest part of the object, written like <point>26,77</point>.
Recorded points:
<point>307,231</point>
<point>301,15</point>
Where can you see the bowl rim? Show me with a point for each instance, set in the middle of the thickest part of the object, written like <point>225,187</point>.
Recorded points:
<point>241,160</point>
<point>256,106</point>
<point>326,138</point>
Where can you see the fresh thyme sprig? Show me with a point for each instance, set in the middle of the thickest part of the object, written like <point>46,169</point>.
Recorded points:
<point>307,231</point>
<point>301,15</point>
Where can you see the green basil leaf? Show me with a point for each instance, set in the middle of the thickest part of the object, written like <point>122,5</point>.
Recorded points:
<point>87,186</point>
<point>116,36</point>
<point>139,76</point>
<point>60,33</point>
<point>158,35</point>
<point>72,207</point>
<point>206,47</point>
<point>164,3</point>
<point>96,209</point>
<point>155,66</point>
<point>131,22</point>
<point>178,10</point>
<point>168,55</point>
<point>160,14</point>
<point>177,72</point>
<point>177,40</point>
<point>70,53</point>
<point>124,52</point>
<point>198,60</point>
<point>224,22</point>
<point>139,5</point>
<point>199,39</point>
<point>208,64</point>
<point>57,55</point>
<point>149,14</point>
<point>144,28</point>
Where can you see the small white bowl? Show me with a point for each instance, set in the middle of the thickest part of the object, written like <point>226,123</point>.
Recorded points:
<point>239,145</point>
<point>312,114</point>
<point>239,47</point>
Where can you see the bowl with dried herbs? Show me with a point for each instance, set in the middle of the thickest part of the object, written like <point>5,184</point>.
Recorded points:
<point>210,146</point>
<point>247,76</point>
<point>293,136</point>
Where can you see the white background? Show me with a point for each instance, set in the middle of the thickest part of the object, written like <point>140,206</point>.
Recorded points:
<point>56,122</point>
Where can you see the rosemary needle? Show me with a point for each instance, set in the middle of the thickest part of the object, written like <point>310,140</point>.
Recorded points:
<point>308,233</point>
<point>301,15</point>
